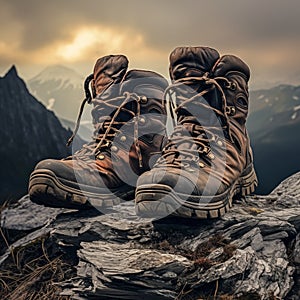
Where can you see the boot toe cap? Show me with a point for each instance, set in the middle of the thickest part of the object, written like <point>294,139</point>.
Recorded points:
<point>59,168</point>
<point>184,182</point>
<point>178,181</point>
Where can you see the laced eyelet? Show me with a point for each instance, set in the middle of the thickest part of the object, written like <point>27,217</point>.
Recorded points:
<point>230,110</point>
<point>142,121</point>
<point>205,150</point>
<point>232,86</point>
<point>144,99</point>
<point>227,85</point>
<point>100,156</point>
<point>211,156</point>
<point>201,164</point>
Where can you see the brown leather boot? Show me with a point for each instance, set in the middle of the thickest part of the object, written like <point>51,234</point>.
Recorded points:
<point>208,159</point>
<point>129,117</point>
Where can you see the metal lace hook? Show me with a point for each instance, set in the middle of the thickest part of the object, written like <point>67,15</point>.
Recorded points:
<point>127,97</point>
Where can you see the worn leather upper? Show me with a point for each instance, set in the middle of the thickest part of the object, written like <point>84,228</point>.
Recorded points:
<point>117,159</point>
<point>191,61</point>
<point>224,164</point>
<point>109,70</point>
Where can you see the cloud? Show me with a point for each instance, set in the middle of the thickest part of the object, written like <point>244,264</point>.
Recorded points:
<point>98,40</point>
<point>87,39</point>
<point>265,34</point>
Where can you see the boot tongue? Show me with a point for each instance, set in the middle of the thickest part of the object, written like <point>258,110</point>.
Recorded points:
<point>191,61</point>
<point>194,62</point>
<point>108,72</point>
<point>144,83</point>
<point>141,82</point>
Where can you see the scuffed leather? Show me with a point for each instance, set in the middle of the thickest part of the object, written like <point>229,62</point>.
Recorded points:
<point>226,167</point>
<point>112,81</point>
<point>191,61</point>
<point>109,70</point>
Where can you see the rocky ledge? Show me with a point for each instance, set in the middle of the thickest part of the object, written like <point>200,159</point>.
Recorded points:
<point>253,252</point>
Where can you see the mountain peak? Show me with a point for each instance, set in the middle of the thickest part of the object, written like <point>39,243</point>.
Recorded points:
<point>12,72</point>
<point>58,72</point>
<point>61,88</point>
<point>12,79</point>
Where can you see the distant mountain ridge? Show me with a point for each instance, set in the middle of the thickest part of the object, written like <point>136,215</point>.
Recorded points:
<point>271,107</point>
<point>274,126</point>
<point>85,130</point>
<point>28,133</point>
<point>60,89</point>
<point>65,75</point>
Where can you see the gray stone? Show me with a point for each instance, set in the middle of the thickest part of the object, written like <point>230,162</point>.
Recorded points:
<point>26,216</point>
<point>296,252</point>
<point>265,279</point>
<point>272,226</point>
<point>252,251</point>
<point>252,237</point>
<point>237,264</point>
<point>273,249</point>
<point>123,259</point>
<point>276,236</point>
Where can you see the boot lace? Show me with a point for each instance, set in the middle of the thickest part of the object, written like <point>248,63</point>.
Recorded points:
<point>199,136</point>
<point>107,126</point>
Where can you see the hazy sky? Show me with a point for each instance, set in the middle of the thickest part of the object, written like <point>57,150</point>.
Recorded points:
<point>74,33</point>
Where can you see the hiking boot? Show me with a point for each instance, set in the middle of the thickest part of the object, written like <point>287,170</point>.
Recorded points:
<point>207,160</point>
<point>129,117</point>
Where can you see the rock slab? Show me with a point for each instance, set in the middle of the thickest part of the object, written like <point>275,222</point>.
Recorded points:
<point>253,252</point>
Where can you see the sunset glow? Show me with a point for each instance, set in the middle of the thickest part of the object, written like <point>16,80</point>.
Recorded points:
<point>89,40</point>
<point>36,34</point>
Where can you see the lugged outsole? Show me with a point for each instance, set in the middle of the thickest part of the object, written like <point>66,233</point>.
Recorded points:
<point>157,201</point>
<point>45,188</point>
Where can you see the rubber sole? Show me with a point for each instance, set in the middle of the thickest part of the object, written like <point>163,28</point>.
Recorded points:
<point>158,200</point>
<point>46,188</point>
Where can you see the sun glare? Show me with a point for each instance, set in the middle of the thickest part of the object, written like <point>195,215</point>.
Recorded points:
<point>104,40</point>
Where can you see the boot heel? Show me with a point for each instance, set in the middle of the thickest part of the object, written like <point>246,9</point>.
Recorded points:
<point>247,182</point>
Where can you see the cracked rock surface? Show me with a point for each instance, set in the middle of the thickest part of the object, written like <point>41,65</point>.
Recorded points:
<point>253,252</point>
